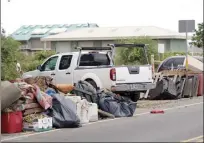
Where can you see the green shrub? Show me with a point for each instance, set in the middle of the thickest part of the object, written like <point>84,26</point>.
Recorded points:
<point>131,56</point>
<point>10,53</point>
<point>31,62</point>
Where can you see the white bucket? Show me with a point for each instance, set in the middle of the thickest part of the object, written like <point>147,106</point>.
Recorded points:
<point>84,111</point>
<point>75,99</point>
<point>93,112</point>
<point>79,110</point>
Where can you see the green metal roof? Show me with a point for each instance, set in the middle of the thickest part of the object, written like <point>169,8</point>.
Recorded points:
<point>26,32</point>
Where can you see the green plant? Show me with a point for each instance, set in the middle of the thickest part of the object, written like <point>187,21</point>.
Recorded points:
<point>35,60</point>
<point>130,56</point>
<point>198,37</point>
<point>9,53</point>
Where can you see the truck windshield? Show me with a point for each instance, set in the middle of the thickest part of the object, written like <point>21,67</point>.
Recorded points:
<point>94,59</point>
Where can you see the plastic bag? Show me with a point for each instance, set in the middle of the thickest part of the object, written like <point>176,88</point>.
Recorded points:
<point>63,112</point>
<point>117,105</point>
<point>86,90</point>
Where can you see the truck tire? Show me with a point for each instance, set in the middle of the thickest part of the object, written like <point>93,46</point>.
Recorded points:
<point>135,97</point>
<point>92,82</point>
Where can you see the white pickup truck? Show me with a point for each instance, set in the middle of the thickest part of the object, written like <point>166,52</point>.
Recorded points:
<point>96,66</point>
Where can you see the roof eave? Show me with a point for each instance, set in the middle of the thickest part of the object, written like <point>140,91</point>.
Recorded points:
<point>107,38</point>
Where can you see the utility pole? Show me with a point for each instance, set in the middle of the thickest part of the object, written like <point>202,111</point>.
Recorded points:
<point>186,46</point>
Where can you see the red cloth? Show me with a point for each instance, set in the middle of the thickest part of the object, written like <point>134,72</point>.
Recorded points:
<point>34,92</point>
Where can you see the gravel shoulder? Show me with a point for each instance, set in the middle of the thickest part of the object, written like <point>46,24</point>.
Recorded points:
<point>155,104</point>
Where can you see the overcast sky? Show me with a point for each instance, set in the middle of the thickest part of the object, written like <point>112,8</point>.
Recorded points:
<point>161,13</point>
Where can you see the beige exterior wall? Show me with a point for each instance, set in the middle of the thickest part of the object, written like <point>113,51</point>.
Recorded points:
<point>166,43</point>
<point>36,44</point>
<point>70,46</point>
<point>63,47</point>
<point>105,43</point>
<point>169,45</point>
<point>85,43</point>
<point>178,45</point>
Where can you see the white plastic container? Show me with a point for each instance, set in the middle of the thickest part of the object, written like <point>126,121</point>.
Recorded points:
<point>93,112</point>
<point>75,99</point>
<point>79,110</point>
<point>78,101</point>
<point>84,111</point>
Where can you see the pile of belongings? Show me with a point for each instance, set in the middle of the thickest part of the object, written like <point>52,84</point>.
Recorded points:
<point>32,102</point>
<point>33,99</point>
<point>39,98</point>
<point>107,101</point>
<point>62,111</point>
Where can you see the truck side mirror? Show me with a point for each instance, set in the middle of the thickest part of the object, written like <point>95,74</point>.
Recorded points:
<point>39,67</point>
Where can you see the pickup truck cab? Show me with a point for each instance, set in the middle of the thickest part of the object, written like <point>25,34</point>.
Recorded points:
<point>97,68</point>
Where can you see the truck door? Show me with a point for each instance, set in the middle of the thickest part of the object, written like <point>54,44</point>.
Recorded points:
<point>64,70</point>
<point>49,68</point>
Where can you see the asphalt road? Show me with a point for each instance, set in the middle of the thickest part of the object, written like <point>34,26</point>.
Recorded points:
<point>172,126</point>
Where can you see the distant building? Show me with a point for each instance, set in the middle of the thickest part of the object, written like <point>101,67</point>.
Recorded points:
<point>29,35</point>
<point>65,42</point>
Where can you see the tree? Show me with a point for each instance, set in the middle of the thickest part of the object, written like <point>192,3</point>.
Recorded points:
<point>9,53</point>
<point>198,37</point>
<point>129,56</point>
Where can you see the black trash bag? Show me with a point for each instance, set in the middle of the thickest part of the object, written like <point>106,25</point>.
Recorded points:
<point>117,105</point>
<point>63,113</point>
<point>85,90</point>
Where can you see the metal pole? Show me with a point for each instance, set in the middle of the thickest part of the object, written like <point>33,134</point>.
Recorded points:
<point>186,46</point>
<point>192,50</point>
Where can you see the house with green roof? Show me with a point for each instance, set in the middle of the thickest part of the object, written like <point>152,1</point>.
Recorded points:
<point>29,35</point>
<point>168,40</point>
